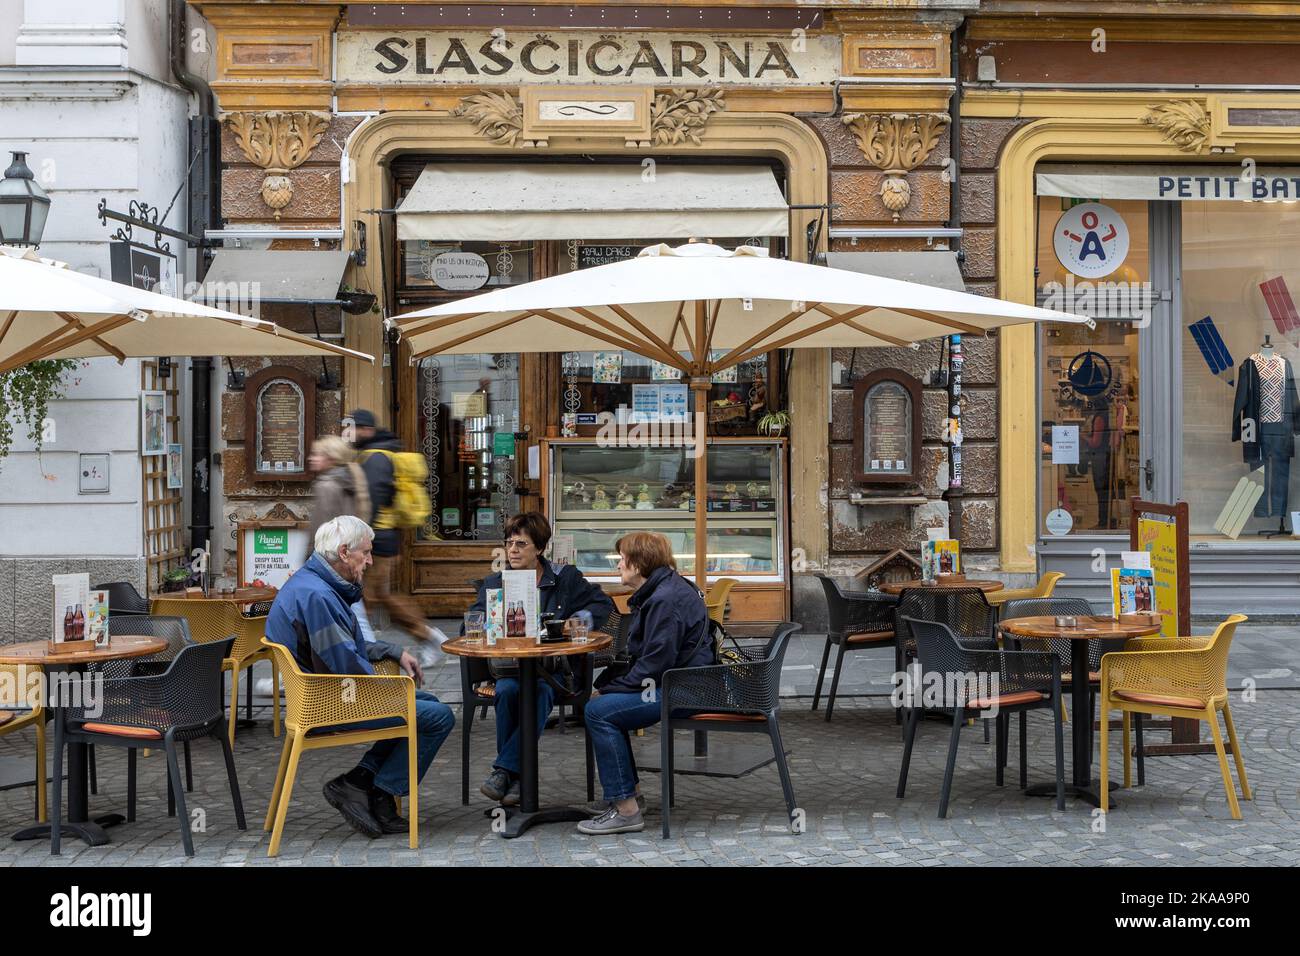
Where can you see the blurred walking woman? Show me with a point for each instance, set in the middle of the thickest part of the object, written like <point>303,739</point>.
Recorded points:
<point>339,487</point>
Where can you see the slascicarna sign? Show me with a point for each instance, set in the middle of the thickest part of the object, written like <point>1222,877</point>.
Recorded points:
<point>509,57</point>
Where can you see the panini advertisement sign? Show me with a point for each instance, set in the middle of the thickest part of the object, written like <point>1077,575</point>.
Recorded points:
<point>586,57</point>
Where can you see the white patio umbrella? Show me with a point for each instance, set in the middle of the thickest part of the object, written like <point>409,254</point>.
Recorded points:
<point>50,311</point>
<point>705,300</point>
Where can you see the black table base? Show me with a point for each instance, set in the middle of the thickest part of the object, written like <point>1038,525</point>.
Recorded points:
<point>90,832</point>
<point>517,820</point>
<point>1088,794</point>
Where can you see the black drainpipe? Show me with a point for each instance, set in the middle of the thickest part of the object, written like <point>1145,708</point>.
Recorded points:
<point>954,493</point>
<point>204,213</point>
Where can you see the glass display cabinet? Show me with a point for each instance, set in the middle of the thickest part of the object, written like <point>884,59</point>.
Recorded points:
<point>596,494</point>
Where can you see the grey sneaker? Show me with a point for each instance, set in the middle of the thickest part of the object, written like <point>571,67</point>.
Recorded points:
<point>597,807</point>
<point>611,821</point>
<point>496,786</point>
<point>511,798</point>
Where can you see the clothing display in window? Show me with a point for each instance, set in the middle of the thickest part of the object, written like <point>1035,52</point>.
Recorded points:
<point>1266,396</point>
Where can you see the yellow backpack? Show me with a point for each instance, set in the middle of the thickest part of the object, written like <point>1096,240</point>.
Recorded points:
<point>410,507</point>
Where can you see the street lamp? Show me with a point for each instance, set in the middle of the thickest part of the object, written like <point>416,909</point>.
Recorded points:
<point>23,205</point>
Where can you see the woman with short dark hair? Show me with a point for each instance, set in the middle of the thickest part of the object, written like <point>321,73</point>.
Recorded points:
<point>563,593</point>
<point>669,629</point>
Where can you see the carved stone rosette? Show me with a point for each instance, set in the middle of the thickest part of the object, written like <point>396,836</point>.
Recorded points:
<point>1184,123</point>
<point>680,115</point>
<point>278,143</point>
<point>896,143</point>
<point>498,117</point>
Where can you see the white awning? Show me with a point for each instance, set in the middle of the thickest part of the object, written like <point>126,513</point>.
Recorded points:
<point>278,275</point>
<point>490,202</point>
<point>1145,181</point>
<point>937,269</point>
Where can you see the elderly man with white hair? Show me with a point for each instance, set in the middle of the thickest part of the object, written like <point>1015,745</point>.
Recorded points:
<point>312,616</point>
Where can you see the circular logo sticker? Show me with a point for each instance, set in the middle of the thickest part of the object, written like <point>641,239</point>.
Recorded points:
<point>1090,373</point>
<point>459,271</point>
<point>1091,240</point>
<point>1059,521</point>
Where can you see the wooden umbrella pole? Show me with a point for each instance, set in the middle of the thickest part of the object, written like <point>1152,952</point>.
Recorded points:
<point>700,383</point>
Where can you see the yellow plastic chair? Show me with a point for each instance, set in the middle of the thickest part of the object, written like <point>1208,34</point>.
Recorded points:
<point>318,703</point>
<point>1043,589</point>
<point>715,601</point>
<point>1173,677</point>
<point>12,721</point>
<point>217,620</point>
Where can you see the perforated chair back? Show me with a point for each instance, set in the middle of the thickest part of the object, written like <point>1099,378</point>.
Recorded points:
<point>964,610</point>
<point>215,621</point>
<point>174,630</point>
<point>123,598</point>
<point>715,601</point>
<point>752,685</point>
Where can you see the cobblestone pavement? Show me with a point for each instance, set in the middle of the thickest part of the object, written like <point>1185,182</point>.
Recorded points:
<point>844,776</point>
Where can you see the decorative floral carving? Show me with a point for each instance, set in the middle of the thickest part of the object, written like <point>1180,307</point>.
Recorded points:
<point>896,143</point>
<point>498,117</point>
<point>1185,123</point>
<point>679,115</point>
<point>278,143</point>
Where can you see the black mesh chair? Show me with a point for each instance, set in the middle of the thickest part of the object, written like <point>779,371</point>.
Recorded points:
<point>123,598</point>
<point>966,610</point>
<point>1026,680</point>
<point>742,697</point>
<point>183,703</point>
<point>856,621</point>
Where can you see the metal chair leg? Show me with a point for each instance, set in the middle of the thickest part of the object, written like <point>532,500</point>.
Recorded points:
<point>958,718</point>
<point>835,681</point>
<point>94,776</point>
<point>56,817</point>
<point>913,718</point>
<point>821,674</point>
<point>1060,756</point>
<point>130,785</point>
<point>1000,745</point>
<point>464,753</point>
<point>666,774</point>
<point>591,758</point>
<point>189,767</point>
<point>1141,758</point>
<point>1024,751</point>
<point>183,817</point>
<point>220,734</point>
<point>778,748</point>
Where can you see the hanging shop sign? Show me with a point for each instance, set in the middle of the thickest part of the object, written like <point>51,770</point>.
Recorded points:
<point>1091,240</point>
<point>280,423</point>
<point>141,267</point>
<point>585,57</point>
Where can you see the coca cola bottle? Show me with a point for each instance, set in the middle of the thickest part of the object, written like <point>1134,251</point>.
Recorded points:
<point>67,624</point>
<point>78,624</point>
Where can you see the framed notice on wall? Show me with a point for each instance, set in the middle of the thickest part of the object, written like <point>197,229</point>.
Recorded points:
<point>269,551</point>
<point>279,424</point>
<point>887,428</point>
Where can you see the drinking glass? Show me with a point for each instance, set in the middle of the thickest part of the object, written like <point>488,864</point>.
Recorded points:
<point>581,631</point>
<point>474,627</point>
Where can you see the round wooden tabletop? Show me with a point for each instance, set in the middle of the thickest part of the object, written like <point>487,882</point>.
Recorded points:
<point>897,587</point>
<point>1090,628</point>
<point>38,652</point>
<point>525,647</point>
<point>237,596</point>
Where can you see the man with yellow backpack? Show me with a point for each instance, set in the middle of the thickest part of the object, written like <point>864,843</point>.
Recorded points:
<point>398,500</point>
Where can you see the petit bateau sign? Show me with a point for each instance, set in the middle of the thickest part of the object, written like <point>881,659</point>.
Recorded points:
<point>586,57</point>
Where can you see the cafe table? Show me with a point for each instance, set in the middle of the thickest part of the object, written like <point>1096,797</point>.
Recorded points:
<point>248,595</point>
<point>1086,628</point>
<point>39,654</point>
<point>898,587</point>
<point>527,651</point>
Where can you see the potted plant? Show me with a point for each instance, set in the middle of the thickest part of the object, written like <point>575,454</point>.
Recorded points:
<point>774,424</point>
<point>175,580</point>
<point>356,302</point>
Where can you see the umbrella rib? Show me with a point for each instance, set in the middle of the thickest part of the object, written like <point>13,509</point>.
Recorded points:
<point>780,323</point>
<point>651,349</point>
<point>472,335</point>
<point>49,344</point>
<point>77,323</point>
<point>8,322</point>
<point>632,320</point>
<point>867,330</point>
<point>942,320</point>
<point>615,337</point>
<point>713,324</point>
<point>686,332</point>
<point>782,343</point>
<point>435,322</point>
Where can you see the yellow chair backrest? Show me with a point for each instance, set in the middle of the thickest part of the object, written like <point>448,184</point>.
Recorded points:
<point>1217,653</point>
<point>215,621</point>
<point>326,700</point>
<point>22,686</point>
<point>715,601</point>
<point>1047,584</point>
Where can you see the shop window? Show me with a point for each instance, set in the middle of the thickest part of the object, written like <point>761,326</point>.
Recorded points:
<point>1239,288</point>
<point>468,415</point>
<point>462,268</point>
<point>1091,456</point>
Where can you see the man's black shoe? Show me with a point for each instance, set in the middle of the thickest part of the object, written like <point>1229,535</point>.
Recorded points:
<point>354,804</point>
<point>383,807</point>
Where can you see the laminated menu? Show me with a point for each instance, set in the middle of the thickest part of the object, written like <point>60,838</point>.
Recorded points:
<point>495,618</point>
<point>97,619</point>
<point>1132,590</point>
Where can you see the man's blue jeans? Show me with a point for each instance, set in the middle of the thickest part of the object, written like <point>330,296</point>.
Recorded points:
<point>507,711</point>
<point>609,719</point>
<point>387,758</point>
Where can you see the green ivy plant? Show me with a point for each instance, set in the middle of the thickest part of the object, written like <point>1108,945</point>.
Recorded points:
<point>28,390</point>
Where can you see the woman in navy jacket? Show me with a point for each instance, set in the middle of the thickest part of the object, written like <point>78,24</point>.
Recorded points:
<point>563,593</point>
<point>670,629</point>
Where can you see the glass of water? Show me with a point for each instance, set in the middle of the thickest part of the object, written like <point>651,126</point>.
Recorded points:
<point>474,627</point>
<point>579,630</point>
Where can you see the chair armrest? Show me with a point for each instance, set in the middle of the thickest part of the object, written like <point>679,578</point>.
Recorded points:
<point>866,612</point>
<point>1016,670</point>
<point>387,667</point>
<point>158,701</point>
<point>1176,670</point>
<point>369,697</point>
<point>726,688</point>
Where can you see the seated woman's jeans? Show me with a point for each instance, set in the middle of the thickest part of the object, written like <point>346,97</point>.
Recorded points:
<point>507,710</point>
<point>609,719</point>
